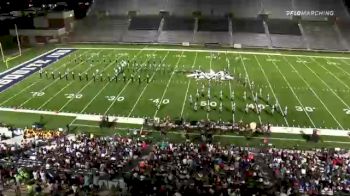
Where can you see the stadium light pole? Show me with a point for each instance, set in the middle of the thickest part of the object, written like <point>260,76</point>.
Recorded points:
<point>18,42</point>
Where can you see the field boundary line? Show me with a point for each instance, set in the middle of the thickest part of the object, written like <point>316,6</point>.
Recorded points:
<point>288,130</point>
<point>204,50</point>
<point>188,86</point>
<point>313,91</point>
<point>273,92</point>
<point>296,96</point>
<point>168,83</point>
<point>144,88</point>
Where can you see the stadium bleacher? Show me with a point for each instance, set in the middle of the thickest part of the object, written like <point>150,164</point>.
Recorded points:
<point>177,29</point>
<point>276,9</point>
<point>214,8</point>
<point>212,37</point>
<point>212,30</point>
<point>287,41</point>
<point>175,37</point>
<point>321,5</point>
<point>284,27</point>
<point>250,39</point>
<point>145,23</point>
<point>105,30</point>
<point>121,7</point>
<point>249,32</point>
<point>175,23</point>
<point>181,8</point>
<point>213,25</point>
<point>285,33</point>
<point>140,36</point>
<point>247,25</point>
<point>321,35</point>
<point>246,8</point>
<point>344,28</point>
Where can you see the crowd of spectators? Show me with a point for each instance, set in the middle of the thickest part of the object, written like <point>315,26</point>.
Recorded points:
<point>83,164</point>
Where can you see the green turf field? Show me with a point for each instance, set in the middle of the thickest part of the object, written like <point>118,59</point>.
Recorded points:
<point>314,88</point>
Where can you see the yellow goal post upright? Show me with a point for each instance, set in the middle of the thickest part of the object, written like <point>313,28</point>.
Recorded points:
<point>5,60</point>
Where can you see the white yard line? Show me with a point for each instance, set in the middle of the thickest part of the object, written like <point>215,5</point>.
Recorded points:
<point>229,86</point>
<point>66,86</point>
<point>93,99</point>
<point>330,72</point>
<point>250,85</point>
<point>185,98</point>
<point>295,95</point>
<point>273,92</point>
<point>343,70</point>
<point>15,95</point>
<point>188,87</point>
<point>144,89</point>
<point>126,85</point>
<point>313,91</point>
<point>97,94</point>
<point>20,92</point>
<point>347,106</point>
<point>52,97</point>
<point>167,85</point>
<point>71,123</point>
<point>86,85</point>
<point>218,51</point>
<point>209,81</point>
<point>347,63</point>
<point>47,86</point>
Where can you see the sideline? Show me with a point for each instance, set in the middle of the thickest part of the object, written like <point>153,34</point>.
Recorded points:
<point>140,121</point>
<point>208,51</point>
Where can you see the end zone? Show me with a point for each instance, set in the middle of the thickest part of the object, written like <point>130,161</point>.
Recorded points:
<point>24,70</point>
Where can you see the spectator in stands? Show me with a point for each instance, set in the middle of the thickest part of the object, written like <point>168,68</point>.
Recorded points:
<point>131,165</point>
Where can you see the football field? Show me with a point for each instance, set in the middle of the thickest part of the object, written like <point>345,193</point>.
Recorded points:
<point>291,90</point>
